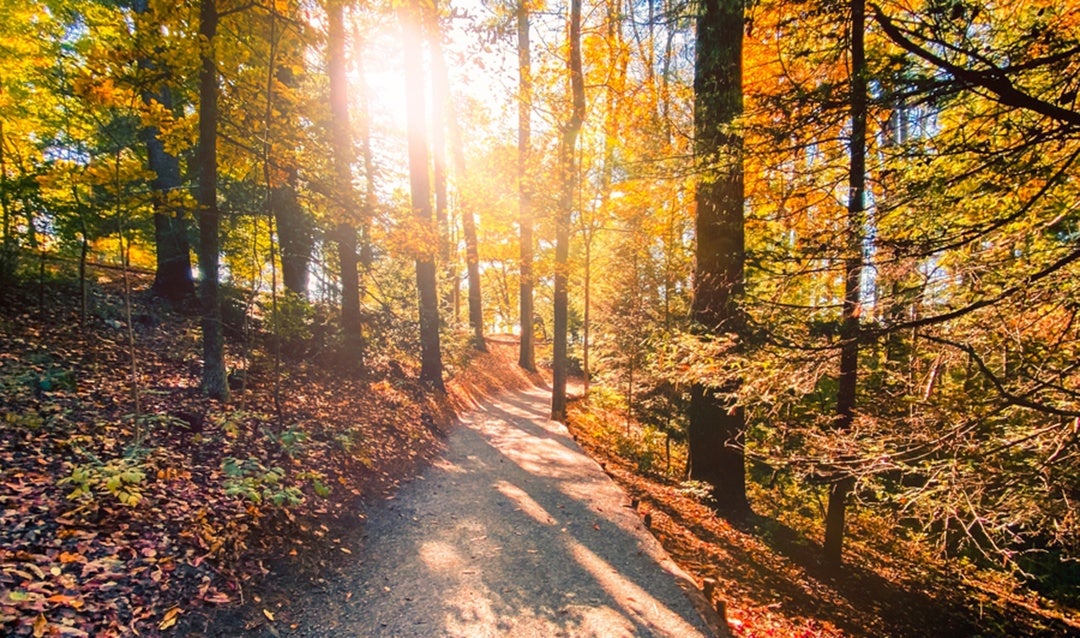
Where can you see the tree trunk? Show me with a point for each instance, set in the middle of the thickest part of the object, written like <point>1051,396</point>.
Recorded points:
<point>341,144</point>
<point>7,257</point>
<point>849,327</point>
<point>420,190</point>
<point>214,381</point>
<point>295,228</point>
<point>527,355</point>
<point>440,114</point>
<point>586,369</point>
<point>364,132</point>
<point>172,276</point>
<point>717,423</point>
<point>568,179</point>
<point>295,233</point>
<point>468,222</point>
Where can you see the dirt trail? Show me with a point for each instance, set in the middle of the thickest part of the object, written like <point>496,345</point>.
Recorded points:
<point>512,532</point>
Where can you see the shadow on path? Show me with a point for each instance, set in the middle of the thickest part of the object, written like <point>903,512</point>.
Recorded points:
<point>513,532</point>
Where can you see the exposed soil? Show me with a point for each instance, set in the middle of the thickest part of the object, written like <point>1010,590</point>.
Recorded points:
<point>512,531</point>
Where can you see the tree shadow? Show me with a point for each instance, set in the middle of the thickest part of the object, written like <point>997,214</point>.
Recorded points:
<point>513,531</point>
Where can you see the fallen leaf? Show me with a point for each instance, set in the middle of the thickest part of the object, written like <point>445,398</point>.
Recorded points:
<point>40,625</point>
<point>269,614</point>
<point>170,618</point>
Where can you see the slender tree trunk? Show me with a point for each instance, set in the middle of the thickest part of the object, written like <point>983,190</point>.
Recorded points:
<point>568,179</point>
<point>295,227</point>
<point>7,259</point>
<point>468,222</point>
<point>849,328</point>
<point>440,120</point>
<point>295,233</point>
<point>527,355</point>
<point>271,192</point>
<point>341,143</point>
<point>214,381</point>
<point>84,253</point>
<point>172,277</point>
<point>345,237</point>
<point>586,369</point>
<point>364,132</point>
<point>410,16</point>
<point>717,423</point>
<point>125,264</point>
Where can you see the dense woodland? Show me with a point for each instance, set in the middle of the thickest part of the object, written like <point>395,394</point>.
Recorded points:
<point>824,250</point>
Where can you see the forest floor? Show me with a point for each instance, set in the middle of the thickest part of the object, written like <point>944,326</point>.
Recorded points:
<point>182,523</point>
<point>223,519</point>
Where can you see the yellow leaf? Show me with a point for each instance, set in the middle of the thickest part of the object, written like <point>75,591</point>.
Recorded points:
<point>40,625</point>
<point>268,614</point>
<point>169,619</point>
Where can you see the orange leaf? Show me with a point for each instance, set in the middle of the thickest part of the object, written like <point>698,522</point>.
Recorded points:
<point>170,618</point>
<point>40,625</point>
<point>63,599</point>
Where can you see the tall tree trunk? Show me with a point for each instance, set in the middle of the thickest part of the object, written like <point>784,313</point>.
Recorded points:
<point>410,16</point>
<point>468,221</point>
<point>364,132</point>
<point>214,381</point>
<point>527,355</point>
<point>472,251</point>
<point>717,423</point>
<point>849,327</point>
<point>568,182</point>
<point>7,256</point>
<point>172,276</point>
<point>295,228</point>
<point>586,369</point>
<point>295,233</point>
<point>440,114</point>
<point>341,143</point>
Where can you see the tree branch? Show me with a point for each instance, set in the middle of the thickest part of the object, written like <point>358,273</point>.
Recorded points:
<point>994,79</point>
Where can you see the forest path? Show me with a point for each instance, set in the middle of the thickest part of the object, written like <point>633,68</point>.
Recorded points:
<point>513,531</point>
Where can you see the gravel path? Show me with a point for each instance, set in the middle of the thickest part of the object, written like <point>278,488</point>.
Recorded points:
<point>513,532</point>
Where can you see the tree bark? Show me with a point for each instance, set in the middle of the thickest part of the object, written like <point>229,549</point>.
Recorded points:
<point>364,133</point>
<point>420,190</point>
<point>341,144</point>
<point>527,354</point>
<point>849,327</point>
<point>440,120</point>
<point>717,422</point>
<point>172,275</point>
<point>295,233</point>
<point>295,228</point>
<point>214,381</point>
<point>568,179</point>
<point>468,221</point>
